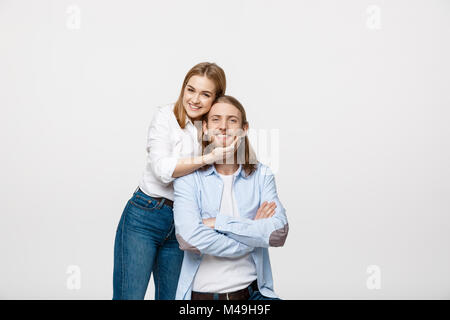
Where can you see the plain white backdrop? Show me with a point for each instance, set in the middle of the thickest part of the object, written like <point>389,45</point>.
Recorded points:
<point>357,91</point>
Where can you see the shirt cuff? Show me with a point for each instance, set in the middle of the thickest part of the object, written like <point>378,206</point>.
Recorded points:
<point>221,222</point>
<point>169,167</point>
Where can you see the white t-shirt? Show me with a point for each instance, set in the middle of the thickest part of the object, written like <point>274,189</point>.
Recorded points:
<point>223,274</point>
<point>166,143</point>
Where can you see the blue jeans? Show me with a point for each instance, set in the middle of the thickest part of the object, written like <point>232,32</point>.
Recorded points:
<point>145,243</point>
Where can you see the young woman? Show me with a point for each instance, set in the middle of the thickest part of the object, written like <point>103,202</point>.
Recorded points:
<point>145,240</point>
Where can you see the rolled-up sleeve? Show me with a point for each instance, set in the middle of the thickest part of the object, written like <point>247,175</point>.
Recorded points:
<point>271,232</point>
<point>191,233</point>
<point>160,149</point>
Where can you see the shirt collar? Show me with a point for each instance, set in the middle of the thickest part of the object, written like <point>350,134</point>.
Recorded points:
<point>212,169</point>
<point>188,120</point>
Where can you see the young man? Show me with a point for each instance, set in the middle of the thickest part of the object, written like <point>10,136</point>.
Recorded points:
<point>223,219</point>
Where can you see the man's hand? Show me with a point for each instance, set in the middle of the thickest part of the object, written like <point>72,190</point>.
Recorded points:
<point>210,222</point>
<point>266,210</point>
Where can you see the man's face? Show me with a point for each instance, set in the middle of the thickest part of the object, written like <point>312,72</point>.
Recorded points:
<point>223,124</point>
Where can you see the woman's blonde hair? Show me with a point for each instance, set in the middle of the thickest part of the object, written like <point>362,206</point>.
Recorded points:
<point>245,154</point>
<point>213,72</point>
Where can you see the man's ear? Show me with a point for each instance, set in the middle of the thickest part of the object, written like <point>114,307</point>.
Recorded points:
<point>245,128</point>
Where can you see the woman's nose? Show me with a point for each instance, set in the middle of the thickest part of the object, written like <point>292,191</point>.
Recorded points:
<point>195,98</point>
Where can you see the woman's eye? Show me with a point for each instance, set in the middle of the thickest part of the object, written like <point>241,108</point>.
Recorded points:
<point>190,90</point>
<point>206,95</point>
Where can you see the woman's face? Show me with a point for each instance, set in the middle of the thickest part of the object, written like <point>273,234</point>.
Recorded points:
<point>198,96</point>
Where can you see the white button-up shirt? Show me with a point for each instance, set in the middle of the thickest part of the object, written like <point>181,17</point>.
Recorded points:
<point>166,144</point>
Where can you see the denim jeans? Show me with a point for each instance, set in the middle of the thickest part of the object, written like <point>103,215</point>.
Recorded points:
<point>145,243</point>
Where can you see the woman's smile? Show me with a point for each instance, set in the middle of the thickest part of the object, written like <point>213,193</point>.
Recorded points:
<point>194,107</point>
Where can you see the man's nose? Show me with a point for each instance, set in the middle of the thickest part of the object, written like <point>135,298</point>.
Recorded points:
<point>223,126</point>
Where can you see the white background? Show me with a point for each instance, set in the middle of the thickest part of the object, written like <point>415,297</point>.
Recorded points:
<point>359,95</point>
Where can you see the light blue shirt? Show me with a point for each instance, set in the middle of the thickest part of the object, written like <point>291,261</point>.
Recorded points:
<point>198,195</point>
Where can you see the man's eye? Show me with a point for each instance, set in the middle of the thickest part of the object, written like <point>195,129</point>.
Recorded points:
<point>206,95</point>
<point>233,120</point>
